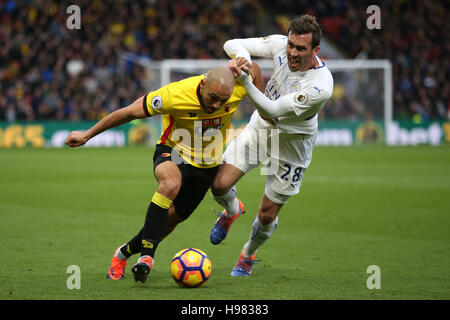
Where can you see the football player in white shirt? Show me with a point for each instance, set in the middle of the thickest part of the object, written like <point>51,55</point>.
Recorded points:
<point>282,130</point>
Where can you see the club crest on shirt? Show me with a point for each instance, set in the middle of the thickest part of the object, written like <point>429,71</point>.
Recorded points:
<point>165,155</point>
<point>295,86</point>
<point>302,97</point>
<point>156,102</point>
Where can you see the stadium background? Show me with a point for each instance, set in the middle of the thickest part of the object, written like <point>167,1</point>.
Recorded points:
<point>61,206</point>
<point>51,73</point>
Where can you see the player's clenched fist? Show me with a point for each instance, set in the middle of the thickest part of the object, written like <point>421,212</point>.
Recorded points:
<point>236,65</point>
<point>77,138</point>
<point>241,62</point>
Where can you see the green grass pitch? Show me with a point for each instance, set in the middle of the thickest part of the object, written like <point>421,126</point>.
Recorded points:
<point>358,206</point>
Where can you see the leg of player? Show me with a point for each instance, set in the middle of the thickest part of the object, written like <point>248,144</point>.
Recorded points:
<point>156,221</point>
<point>196,182</point>
<point>223,189</point>
<point>263,227</point>
<point>119,261</point>
<point>174,220</point>
<point>224,193</point>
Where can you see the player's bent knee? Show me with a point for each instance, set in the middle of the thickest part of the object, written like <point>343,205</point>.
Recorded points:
<point>220,186</point>
<point>225,179</point>
<point>169,187</point>
<point>218,190</point>
<point>169,179</point>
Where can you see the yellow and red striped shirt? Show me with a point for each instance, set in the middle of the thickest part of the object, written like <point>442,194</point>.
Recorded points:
<point>199,137</point>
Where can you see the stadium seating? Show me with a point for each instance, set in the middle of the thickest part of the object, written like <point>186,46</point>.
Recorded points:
<point>50,72</point>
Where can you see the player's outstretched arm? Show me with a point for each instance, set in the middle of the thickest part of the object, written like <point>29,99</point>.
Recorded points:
<point>245,48</point>
<point>114,119</point>
<point>266,107</point>
<point>302,104</point>
<point>238,64</point>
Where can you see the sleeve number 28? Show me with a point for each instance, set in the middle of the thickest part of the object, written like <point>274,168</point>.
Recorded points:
<point>295,177</point>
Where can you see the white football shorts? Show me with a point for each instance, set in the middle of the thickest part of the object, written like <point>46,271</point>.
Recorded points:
<point>285,157</point>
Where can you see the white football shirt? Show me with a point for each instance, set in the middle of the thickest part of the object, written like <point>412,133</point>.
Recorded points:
<point>309,89</point>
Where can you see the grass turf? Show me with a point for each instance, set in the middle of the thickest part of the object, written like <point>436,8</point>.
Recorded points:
<point>359,206</point>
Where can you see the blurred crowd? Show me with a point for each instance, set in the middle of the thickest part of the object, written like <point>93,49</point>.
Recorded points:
<point>414,36</point>
<point>50,72</point>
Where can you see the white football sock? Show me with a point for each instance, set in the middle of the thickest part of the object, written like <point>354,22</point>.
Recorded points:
<point>119,253</point>
<point>260,233</point>
<point>229,201</point>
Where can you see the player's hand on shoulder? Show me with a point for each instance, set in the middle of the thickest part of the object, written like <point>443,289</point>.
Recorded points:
<point>76,139</point>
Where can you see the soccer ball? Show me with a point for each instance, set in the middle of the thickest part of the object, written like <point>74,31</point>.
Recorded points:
<point>190,268</point>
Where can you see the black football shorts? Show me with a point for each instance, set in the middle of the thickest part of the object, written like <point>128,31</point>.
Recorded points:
<point>195,182</point>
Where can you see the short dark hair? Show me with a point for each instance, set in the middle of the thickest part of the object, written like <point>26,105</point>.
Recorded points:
<point>306,24</point>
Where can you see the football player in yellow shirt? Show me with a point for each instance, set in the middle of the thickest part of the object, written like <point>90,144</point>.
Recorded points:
<point>196,113</point>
